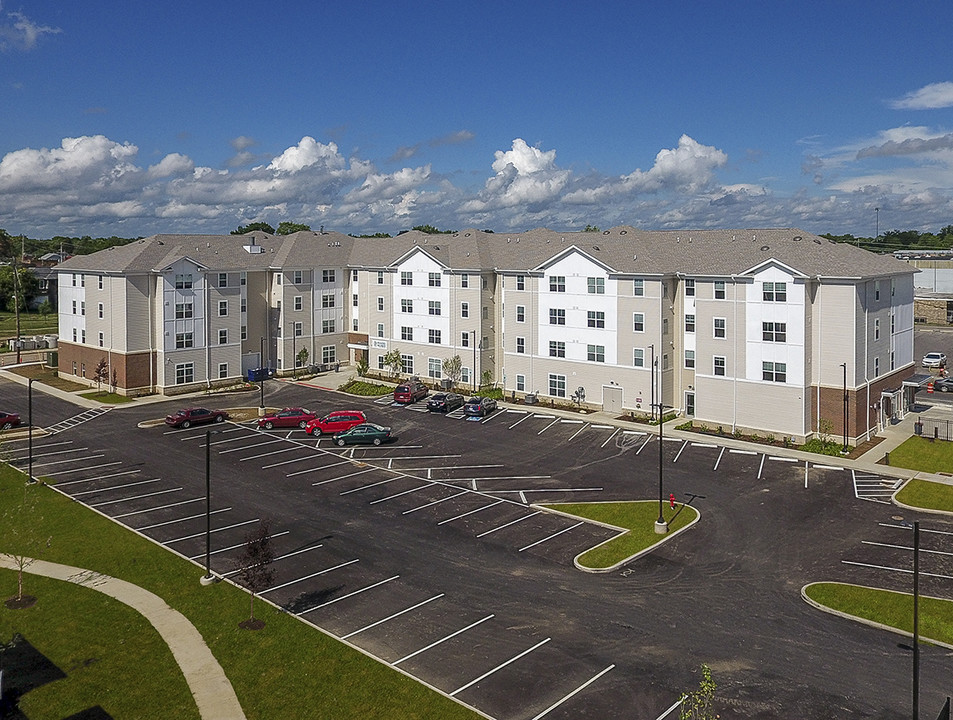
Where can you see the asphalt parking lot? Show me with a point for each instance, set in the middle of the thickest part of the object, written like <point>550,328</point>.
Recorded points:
<point>427,553</point>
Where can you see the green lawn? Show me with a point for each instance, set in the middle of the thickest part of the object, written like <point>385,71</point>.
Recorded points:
<point>919,453</point>
<point>637,517</point>
<point>888,608</point>
<point>926,494</point>
<point>113,658</point>
<point>31,323</point>
<point>106,397</point>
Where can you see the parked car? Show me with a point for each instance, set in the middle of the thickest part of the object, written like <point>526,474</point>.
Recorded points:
<point>479,406</point>
<point>335,422</point>
<point>410,392</point>
<point>933,360</point>
<point>289,417</point>
<point>188,417</point>
<point>944,384</point>
<point>366,434</point>
<point>445,402</point>
<point>9,420</point>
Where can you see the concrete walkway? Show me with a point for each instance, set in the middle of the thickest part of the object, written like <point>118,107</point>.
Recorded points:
<point>213,693</point>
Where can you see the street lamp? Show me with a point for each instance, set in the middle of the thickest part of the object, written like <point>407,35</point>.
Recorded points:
<point>29,416</point>
<point>877,212</point>
<point>294,354</point>
<point>208,578</point>
<point>661,526</point>
<point>846,447</point>
<point>916,615</point>
<point>652,383</point>
<point>262,373</point>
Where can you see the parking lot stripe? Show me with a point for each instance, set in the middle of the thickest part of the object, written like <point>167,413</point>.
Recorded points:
<point>71,460</point>
<point>234,547</point>
<point>55,452</point>
<point>718,461</point>
<point>351,594</point>
<point>97,477</point>
<point>547,539</point>
<point>135,497</point>
<point>471,512</point>
<point>397,495</point>
<point>679,453</point>
<point>571,422</point>
<point>674,705</point>
<point>267,454</point>
<point>761,466</point>
<point>280,557</point>
<point>782,459</point>
<point>182,519</point>
<point>548,426</point>
<point>577,432</point>
<point>344,477</point>
<point>525,417</point>
<point>743,452</point>
<point>312,575</point>
<point>115,487</point>
<point>160,507</point>
<point>648,438</point>
<point>574,692</point>
<point>512,522</point>
<point>348,461</point>
<point>250,447</point>
<point>704,445</point>
<point>828,467</point>
<point>603,427</point>
<point>225,527</point>
<point>905,547</point>
<point>391,617</point>
<point>435,502</point>
<point>500,666</point>
<point>442,640</point>
<point>608,439</point>
<point>366,487</point>
<point>88,467</point>
<point>906,571</point>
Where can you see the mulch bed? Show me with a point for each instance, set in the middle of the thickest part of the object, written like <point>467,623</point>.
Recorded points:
<point>21,603</point>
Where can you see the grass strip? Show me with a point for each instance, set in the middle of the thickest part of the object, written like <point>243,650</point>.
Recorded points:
<point>919,453</point>
<point>636,517</point>
<point>286,670</point>
<point>926,494</point>
<point>107,398</point>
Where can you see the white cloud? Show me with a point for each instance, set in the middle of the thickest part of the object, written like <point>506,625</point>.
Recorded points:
<point>21,33</point>
<point>307,153</point>
<point>171,164</point>
<point>929,97</point>
<point>525,176</point>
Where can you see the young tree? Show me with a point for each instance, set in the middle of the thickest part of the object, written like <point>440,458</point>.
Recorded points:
<point>101,373</point>
<point>23,521</point>
<point>394,361</point>
<point>114,381</point>
<point>453,368</point>
<point>302,357</point>
<point>361,366</point>
<point>254,568</point>
<point>697,705</point>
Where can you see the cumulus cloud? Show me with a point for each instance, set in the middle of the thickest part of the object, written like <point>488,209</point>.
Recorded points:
<point>19,32</point>
<point>306,154</point>
<point>909,146</point>
<point>525,176</point>
<point>929,97</point>
<point>456,138</point>
<point>171,164</point>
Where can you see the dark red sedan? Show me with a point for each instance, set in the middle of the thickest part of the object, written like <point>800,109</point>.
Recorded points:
<point>195,416</point>
<point>289,417</point>
<point>9,420</point>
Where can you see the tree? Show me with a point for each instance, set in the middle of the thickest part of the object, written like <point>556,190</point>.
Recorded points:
<point>591,228</point>
<point>28,289</point>
<point>101,373</point>
<point>23,522</point>
<point>453,368</point>
<point>361,365</point>
<point>115,380</point>
<point>251,227</point>
<point>302,357</point>
<point>287,228</point>
<point>697,705</point>
<point>394,361</point>
<point>254,569</point>
<point>431,230</point>
<point>486,379</point>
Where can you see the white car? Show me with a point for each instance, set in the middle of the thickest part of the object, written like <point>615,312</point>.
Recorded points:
<point>933,360</point>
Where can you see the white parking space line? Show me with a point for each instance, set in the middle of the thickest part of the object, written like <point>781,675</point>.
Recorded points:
<point>512,522</point>
<point>578,431</point>
<point>200,435</point>
<point>98,477</point>
<point>160,507</point>
<point>718,461</point>
<point>648,439</point>
<point>43,455</point>
<point>266,454</point>
<point>782,459</point>
<point>233,547</point>
<point>575,692</point>
<point>115,487</point>
<point>743,452</point>
<point>608,439</point>
<point>435,502</point>
<point>182,519</point>
<point>37,447</point>
<point>280,557</point>
<point>572,422</point>
<point>391,617</point>
<point>352,594</point>
<point>316,469</point>
<point>87,467</point>
<point>450,467</point>
<point>518,412</point>
<point>525,417</point>
<point>554,422</point>
<point>544,417</point>
<point>671,707</point>
<point>906,547</point>
<point>400,494</point>
<point>135,497</point>
<point>905,571</point>
<point>471,512</point>
<point>546,490</point>
<point>704,445</point>
<point>498,477</point>
<point>442,640</point>
<point>547,539</point>
<point>761,466</point>
<point>312,575</point>
<point>344,477</point>
<point>215,530</point>
<point>71,460</point>
<point>679,453</point>
<point>371,485</point>
<point>249,447</point>
<point>500,666</point>
<point>828,467</point>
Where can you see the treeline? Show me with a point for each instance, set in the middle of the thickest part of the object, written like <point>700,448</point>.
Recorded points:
<point>900,240</point>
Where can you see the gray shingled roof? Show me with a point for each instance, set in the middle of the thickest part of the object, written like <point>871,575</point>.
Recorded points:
<point>624,250</point>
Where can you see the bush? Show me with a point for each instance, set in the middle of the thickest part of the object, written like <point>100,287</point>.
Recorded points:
<point>365,389</point>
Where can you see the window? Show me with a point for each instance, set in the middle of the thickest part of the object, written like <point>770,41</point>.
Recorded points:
<point>638,357</point>
<point>433,307</point>
<point>483,282</point>
<point>774,332</point>
<point>893,286</point>
<point>380,329</point>
<point>183,282</point>
<point>354,325</point>
<point>719,326</point>
<point>298,329</point>
<point>596,353</point>
<point>74,285</point>
<point>354,300</point>
<point>521,383</point>
<point>484,312</point>
<point>380,362</point>
<point>596,285</point>
<point>101,284</point>
<point>407,306</point>
<point>183,340</point>
<point>329,354</point>
<point>876,328</point>
<point>223,279</point>
<point>638,287</point>
<point>184,373</point>
<point>406,278</point>
<point>464,281</point>
<point>434,368</point>
<point>407,333</point>
<point>298,302</point>
<point>75,335</point>
<point>222,308</point>
<point>74,307</point>
<point>665,326</point>
<point>243,278</point>
<point>327,326</point>
<point>876,290</point>
<point>464,310</point>
<point>223,337</point>
<point>719,289</point>
<point>719,365</point>
<point>520,282</point>
<point>278,279</point>
<point>82,307</point>
<point>380,304</point>
<point>773,372</point>
<point>596,319</point>
<point>638,322</point>
<point>433,336</point>
<point>243,305</point>
<point>893,322</point>
<point>380,277</point>
<point>520,313</point>
<point>433,280</point>
<point>876,367</point>
<point>327,276</point>
<point>557,283</point>
<point>102,310</point>
<point>689,288</point>
<point>689,359</point>
<point>354,275</point>
<point>775,292</point>
<point>689,323</point>
<point>244,332</point>
<point>297,277</point>
<point>891,361</point>
<point>465,339</point>
<point>464,374</point>
<point>521,345</point>
<point>557,385</point>
<point>102,340</point>
<point>82,335</point>
<point>557,316</point>
<point>665,361</point>
<point>222,370</point>
<point>557,349</point>
<point>327,300</point>
<point>407,364</point>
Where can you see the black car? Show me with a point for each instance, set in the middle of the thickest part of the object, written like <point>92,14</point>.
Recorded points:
<point>479,406</point>
<point>944,384</point>
<point>445,402</point>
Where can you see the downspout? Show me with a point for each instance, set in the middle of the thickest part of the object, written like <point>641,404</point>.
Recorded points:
<point>867,355</point>
<point>152,338</point>
<point>208,334</point>
<point>820,355</point>
<point>734,359</point>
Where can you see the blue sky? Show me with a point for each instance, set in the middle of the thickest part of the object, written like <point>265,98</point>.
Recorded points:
<point>136,118</point>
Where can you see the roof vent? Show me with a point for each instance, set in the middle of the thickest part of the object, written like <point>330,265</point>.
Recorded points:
<point>817,240</point>
<point>678,239</point>
<point>635,257</point>
<point>596,247</point>
<point>764,247</point>
<point>517,239</point>
<point>466,235</point>
<point>507,239</point>
<point>436,247</point>
<point>605,232</point>
<point>797,238</point>
<point>623,232</point>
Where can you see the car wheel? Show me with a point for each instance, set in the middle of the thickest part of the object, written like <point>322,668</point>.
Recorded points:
<point>269,425</point>
<point>186,424</point>
<point>219,418</point>
<point>340,442</point>
<point>7,426</point>
<point>303,424</point>
<point>377,441</point>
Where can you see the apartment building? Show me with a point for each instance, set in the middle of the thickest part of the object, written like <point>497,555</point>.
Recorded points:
<point>751,330</point>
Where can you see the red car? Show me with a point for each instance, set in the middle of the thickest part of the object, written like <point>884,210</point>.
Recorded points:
<point>335,422</point>
<point>289,417</point>
<point>9,420</point>
<point>410,392</point>
<point>195,416</point>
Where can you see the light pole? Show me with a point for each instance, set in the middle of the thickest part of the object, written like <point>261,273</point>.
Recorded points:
<point>294,355</point>
<point>661,526</point>
<point>208,578</point>
<point>846,447</point>
<point>652,371</point>
<point>261,374</point>
<point>915,525</point>
<point>877,213</point>
<point>29,420</point>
